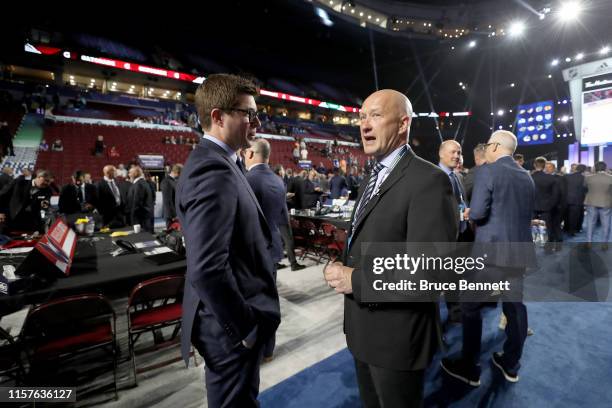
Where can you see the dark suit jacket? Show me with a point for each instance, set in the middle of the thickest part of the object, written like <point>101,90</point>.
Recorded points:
<point>296,186</point>
<point>415,204</point>
<point>270,193</point>
<point>468,183</point>
<point>576,191</point>
<point>5,180</point>
<point>69,198</point>
<point>15,197</point>
<point>230,274</point>
<point>336,184</point>
<point>502,207</point>
<point>106,205</point>
<point>140,205</point>
<point>168,189</point>
<point>547,192</point>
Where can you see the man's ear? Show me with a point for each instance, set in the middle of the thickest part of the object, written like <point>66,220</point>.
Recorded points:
<point>404,124</point>
<point>216,117</point>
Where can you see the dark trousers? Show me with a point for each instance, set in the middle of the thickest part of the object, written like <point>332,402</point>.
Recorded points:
<point>516,329</point>
<point>552,229</point>
<point>287,236</point>
<point>383,387</point>
<point>231,372</point>
<point>574,218</point>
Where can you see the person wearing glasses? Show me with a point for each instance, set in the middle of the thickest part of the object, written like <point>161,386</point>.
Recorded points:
<point>230,303</point>
<point>501,207</point>
<point>404,199</point>
<point>22,200</point>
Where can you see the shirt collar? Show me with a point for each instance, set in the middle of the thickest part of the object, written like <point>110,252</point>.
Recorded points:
<point>388,160</point>
<point>446,169</point>
<point>232,154</point>
<point>108,180</point>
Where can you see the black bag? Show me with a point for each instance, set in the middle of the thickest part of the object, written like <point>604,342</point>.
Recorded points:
<point>173,239</point>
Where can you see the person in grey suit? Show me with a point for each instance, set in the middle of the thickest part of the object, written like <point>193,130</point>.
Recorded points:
<point>230,302</point>
<point>598,202</point>
<point>168,189</point>
<point>404,199</point>
<point>501,207</point>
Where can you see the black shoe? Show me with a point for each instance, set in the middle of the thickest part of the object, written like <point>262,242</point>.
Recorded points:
<point>280,266</point>
<point>297,267</point>
<point>459,369</point>
<point>510,375</point>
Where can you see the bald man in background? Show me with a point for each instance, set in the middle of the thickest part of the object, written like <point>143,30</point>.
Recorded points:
<point>403,199</point>
<point>502,207</point>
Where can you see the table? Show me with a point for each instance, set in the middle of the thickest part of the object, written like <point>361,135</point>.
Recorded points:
<point>339,222</point>
<point>95,270</point>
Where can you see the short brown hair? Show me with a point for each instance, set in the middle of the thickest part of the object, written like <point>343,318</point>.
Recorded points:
<point>539,162</point>
<point>221,91</point>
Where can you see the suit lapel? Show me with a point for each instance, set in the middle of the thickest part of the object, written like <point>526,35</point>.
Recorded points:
<point>396,174</point>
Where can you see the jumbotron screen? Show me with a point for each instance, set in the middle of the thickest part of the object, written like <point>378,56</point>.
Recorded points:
<point>596,110</point>
<point>534,123</point>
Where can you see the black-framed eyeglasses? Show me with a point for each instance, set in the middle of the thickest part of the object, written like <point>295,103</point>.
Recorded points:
<point>250,113</point>
<point>492,144</point>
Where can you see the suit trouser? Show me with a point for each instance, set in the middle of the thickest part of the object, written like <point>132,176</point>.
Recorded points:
<point>287,236</point>
<point>231,373</point>
<point>574,217</point>
<point>384,387</point>
<point>604,215</point>
<point>516,328</point>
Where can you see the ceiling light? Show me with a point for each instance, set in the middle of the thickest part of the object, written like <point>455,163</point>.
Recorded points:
<point>500,112</point>
<point>472,44</point>
<point>550,75</point>
<point>580,56</point>
<point>512,85</point>
<point>569,11</point>
<point>568,59</point>
<point>604,50</point>
<point>554,62</point>
<point>517,28</point>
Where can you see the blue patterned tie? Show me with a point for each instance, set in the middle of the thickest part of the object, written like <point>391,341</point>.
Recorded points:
<point>365,198</point>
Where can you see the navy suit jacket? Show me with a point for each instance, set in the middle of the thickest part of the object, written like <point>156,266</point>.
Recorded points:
<point>336,184</point>
<point>502,207</point>
<point>270,192</point>
<point>548,193</point>
<point>229,269</point>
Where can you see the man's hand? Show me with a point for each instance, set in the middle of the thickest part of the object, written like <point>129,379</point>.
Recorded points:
<point>2,218</point>
<point>338,277</point>
<point>466,214</point>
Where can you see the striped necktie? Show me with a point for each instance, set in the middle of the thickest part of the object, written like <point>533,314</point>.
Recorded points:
<point>365,198</point>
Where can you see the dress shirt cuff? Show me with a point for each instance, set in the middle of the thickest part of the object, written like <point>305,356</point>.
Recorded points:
<point>250,339</point>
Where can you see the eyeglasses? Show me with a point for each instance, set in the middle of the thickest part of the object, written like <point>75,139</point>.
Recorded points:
<point>250,113</point>
<point>491,144</point>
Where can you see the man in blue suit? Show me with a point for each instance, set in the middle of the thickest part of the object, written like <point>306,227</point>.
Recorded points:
<point>502,206</point>
<point>270,192</point>
<point>230,304</point>
<point>337,184</point>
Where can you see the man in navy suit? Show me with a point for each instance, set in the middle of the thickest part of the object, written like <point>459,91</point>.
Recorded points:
<point>230,303</point>
<point>547,200</point>
<point>337,184</point>
<point>502,206</point>
<point>270,192</point>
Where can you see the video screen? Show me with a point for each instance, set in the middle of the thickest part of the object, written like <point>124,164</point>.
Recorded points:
<point>596,110</point>
<point>534,123</point>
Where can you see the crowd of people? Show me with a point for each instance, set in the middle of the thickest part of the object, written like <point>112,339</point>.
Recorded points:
<point>121,197</point>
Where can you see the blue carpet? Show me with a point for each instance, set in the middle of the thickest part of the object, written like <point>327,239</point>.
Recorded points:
<point>567,363</point>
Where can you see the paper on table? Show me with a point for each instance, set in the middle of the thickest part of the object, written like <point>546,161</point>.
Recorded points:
<point>159,250</point>
<point>13,323</point>
<point>147,244</point>
<point>22,250</point>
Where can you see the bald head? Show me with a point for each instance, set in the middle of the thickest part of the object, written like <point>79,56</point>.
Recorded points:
<point>385,122</point>
<point>450,153</point>
<point>109,171</point>
<point>258,152</point>
<point>501,143</point>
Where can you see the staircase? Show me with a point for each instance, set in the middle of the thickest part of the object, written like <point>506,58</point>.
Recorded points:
<point>26,142</point>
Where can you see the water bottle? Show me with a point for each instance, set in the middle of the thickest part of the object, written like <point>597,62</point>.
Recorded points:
<point>318,208</point>
<point>543,234</point>
<point>535,234</point>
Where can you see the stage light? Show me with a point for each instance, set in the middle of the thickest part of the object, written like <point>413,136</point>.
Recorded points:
<point>463,87</point>
<point>500,112</point>
<point>472,44</point>
<point>579,56</point>
<point>569,11</point>
<point>554,62</point>
<point>512,85</point>
<point>549,75</point>
<point>517,28</point>
<point>604,50</point>
<point>568,59</point>
<point>460,83</point>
